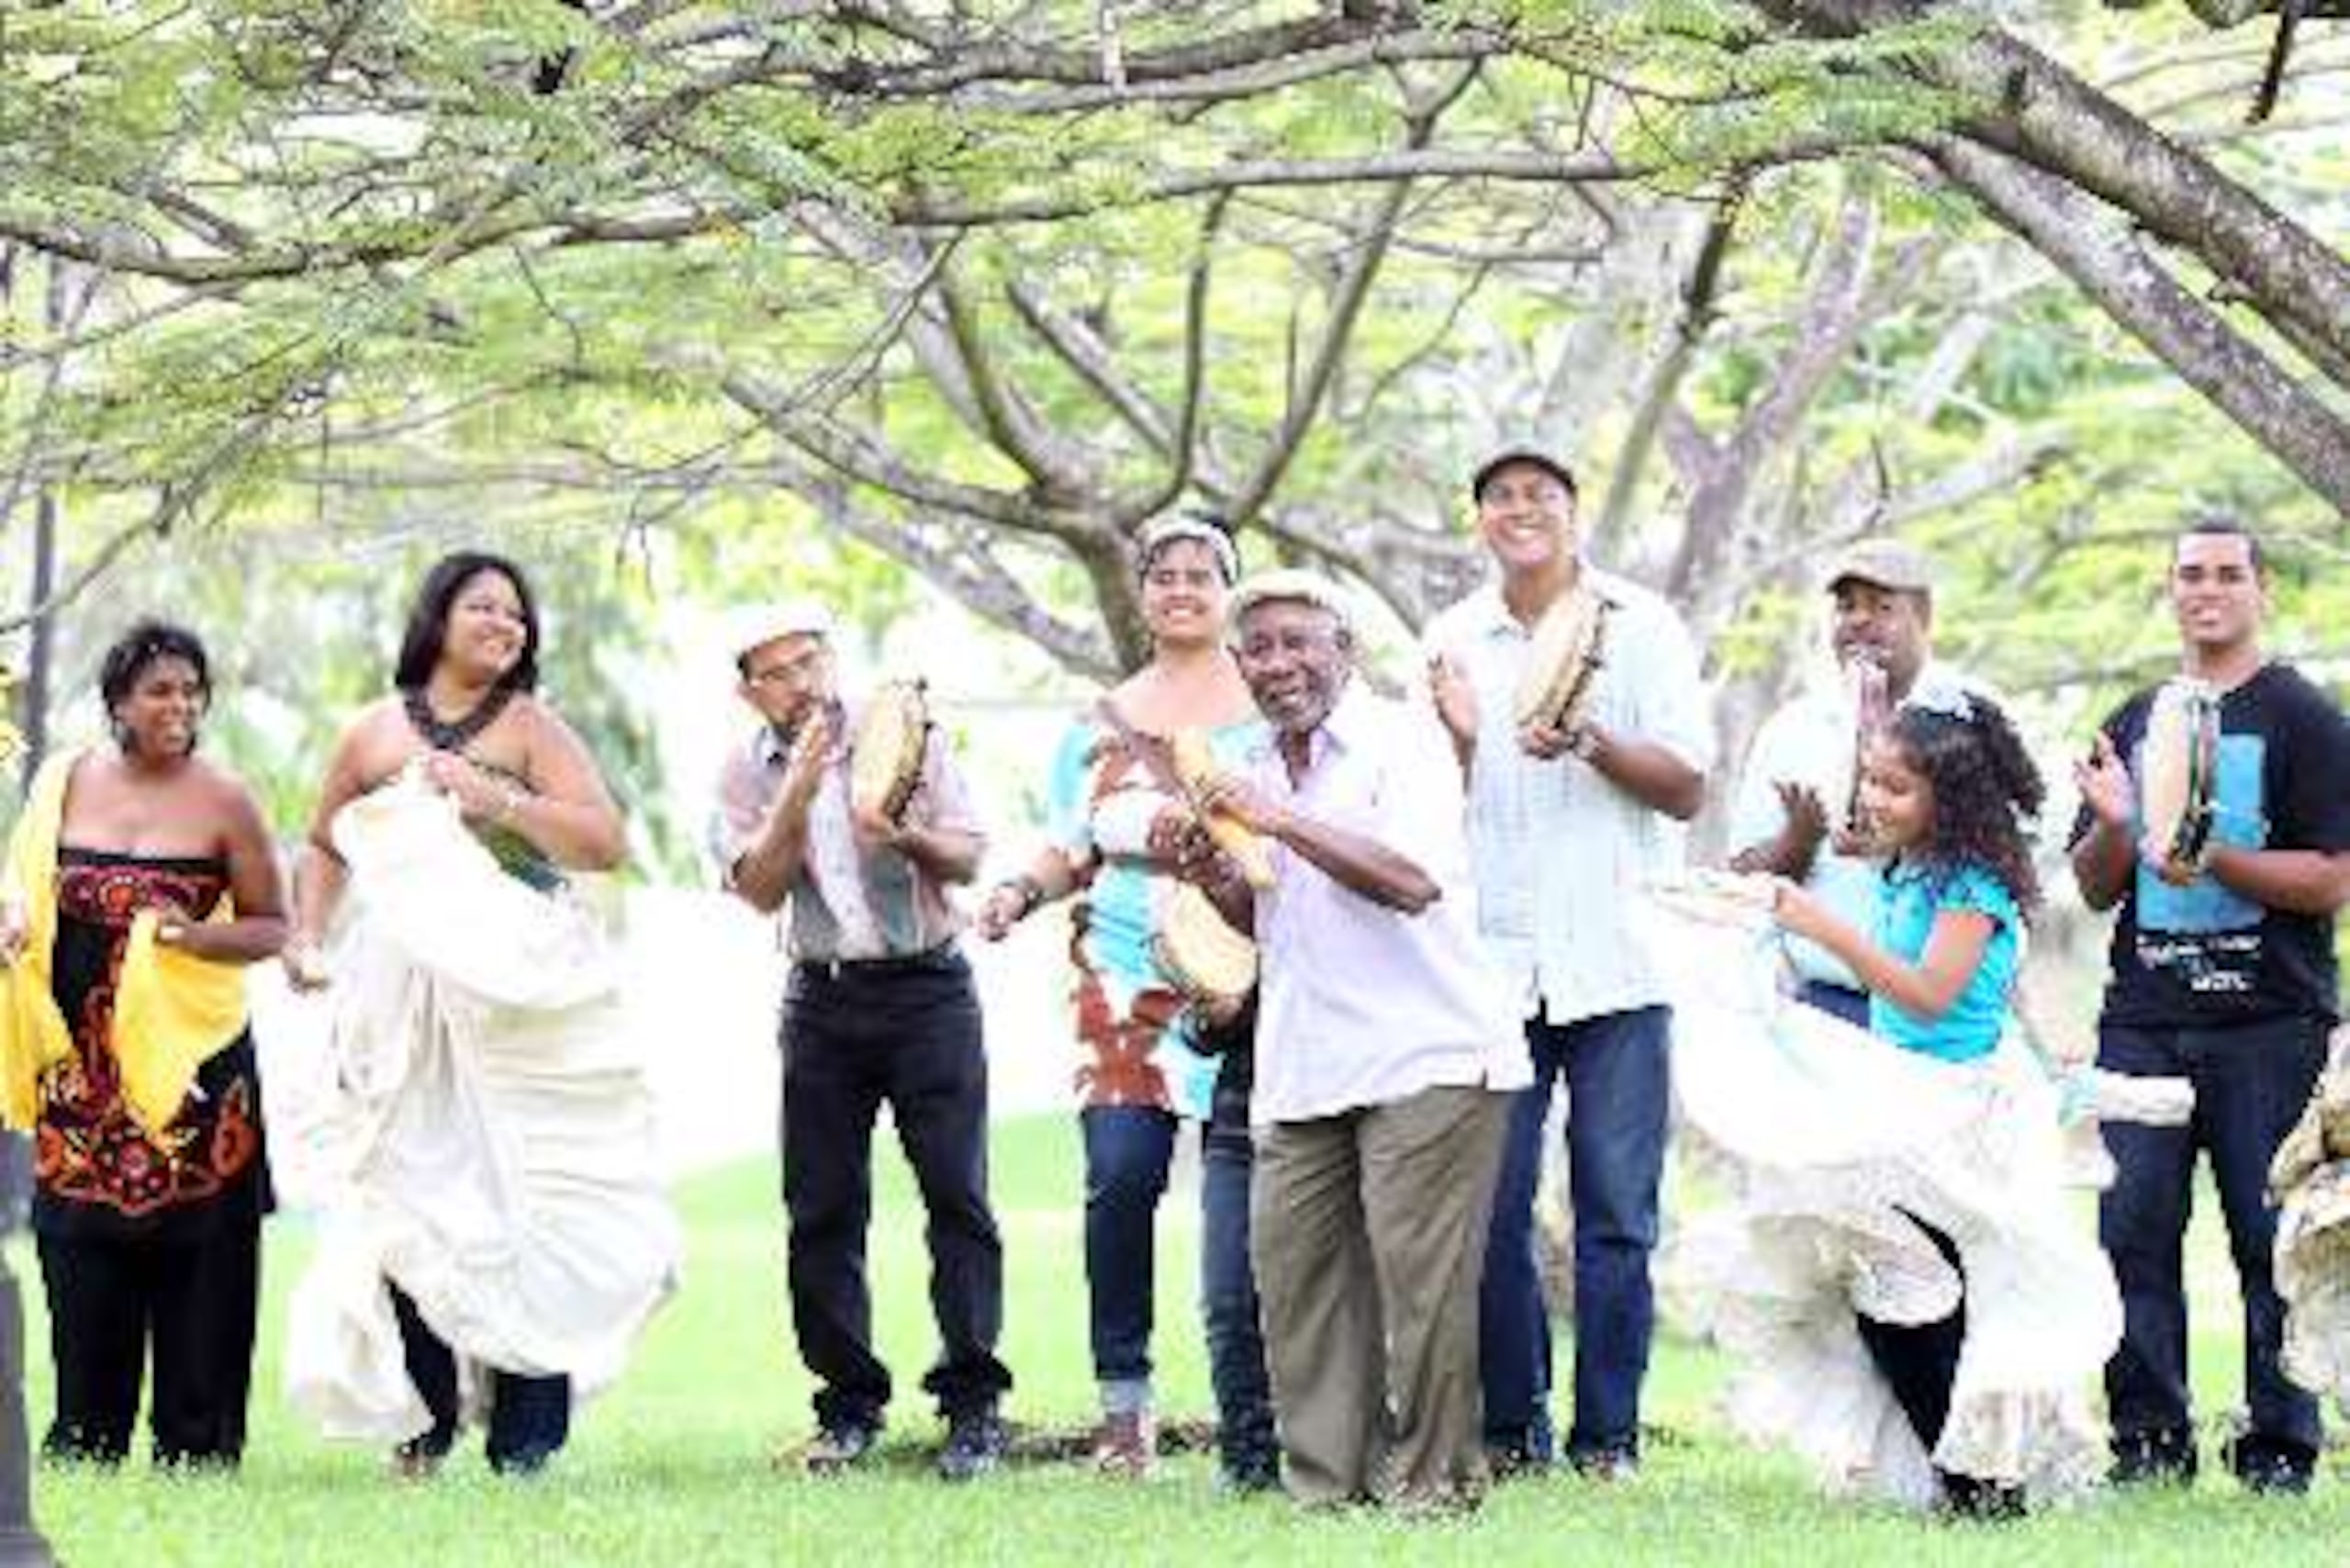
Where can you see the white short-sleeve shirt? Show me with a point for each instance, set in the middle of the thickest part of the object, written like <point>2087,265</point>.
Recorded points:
<point>1562,854</point>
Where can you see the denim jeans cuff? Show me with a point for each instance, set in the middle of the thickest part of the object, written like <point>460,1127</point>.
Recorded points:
<point>1125,1395</point>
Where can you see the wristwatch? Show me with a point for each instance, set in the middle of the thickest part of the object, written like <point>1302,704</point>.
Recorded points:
<point>1031,891</point>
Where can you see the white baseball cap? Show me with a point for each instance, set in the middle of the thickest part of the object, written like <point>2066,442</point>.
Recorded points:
<point>756,625</point>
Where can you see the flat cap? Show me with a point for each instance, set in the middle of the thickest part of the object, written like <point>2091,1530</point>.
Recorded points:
<point>756,625</point>
<point>1883,562</point>
<point>1522,452</point>
<point>1291,584</point>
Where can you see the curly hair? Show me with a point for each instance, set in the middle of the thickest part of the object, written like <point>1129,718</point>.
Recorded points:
<point>1987,792</point>
<point>146,641</point>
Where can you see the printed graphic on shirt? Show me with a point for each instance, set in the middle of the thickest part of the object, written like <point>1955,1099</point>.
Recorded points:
<point>2209,936</point>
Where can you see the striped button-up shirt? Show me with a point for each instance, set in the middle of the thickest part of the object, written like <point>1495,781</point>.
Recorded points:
<point>849,902</point>
<point>1563,854</point>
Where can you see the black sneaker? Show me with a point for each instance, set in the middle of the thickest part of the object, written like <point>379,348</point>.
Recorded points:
<point>839,1446</point>
<point>2164,1457</point>
<point>422,1457</point>
<point>1607,1464</point>
<point>1970,1499</point>
<point>1249,1473</point>
<point>975,1446</point>
<point>2270,1466</point>
<point>1514,1453</point>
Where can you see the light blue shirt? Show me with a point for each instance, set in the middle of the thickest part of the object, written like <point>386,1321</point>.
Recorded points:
<point>1908,898</point>
<point>1117,935</point>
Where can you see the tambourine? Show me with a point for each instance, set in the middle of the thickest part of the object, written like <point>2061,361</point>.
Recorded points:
<point>885,761</point>
<point>1569,645</point>
<point>1738,900</point>
<point>1194,763</point>
<point>2179,772</point>
<point>1199,952</point>
<point>1868,707</point>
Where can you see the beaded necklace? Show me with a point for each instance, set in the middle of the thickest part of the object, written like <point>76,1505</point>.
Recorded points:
<point>458,733</point>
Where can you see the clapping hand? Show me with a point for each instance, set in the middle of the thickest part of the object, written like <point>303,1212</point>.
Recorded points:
<point>804,769</point>
<point>1234,797</point>
<point>1456,699</point>
<point>2105,784</point>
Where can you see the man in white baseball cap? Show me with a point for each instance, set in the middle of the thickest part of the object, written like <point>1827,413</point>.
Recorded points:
<point>863,905</point>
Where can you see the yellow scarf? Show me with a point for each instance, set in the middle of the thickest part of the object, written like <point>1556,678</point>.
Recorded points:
<point>172,1012</point>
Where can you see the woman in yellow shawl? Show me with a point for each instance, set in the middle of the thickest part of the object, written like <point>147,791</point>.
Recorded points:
<point>139,881</point>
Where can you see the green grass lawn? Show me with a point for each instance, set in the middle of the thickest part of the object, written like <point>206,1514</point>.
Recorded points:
<point>672,1469</point>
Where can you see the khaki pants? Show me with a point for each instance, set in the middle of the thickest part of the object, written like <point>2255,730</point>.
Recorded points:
<point>1369,1243</point>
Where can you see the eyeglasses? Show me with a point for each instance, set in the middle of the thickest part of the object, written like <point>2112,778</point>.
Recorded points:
<point>789,671</point>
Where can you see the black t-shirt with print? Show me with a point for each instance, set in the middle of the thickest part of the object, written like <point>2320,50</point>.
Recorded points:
<point>2203,954</point>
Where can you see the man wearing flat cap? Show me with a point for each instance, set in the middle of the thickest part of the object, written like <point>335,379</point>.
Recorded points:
<point>1384,1058</point>
<point>1792,816</point>
<point>879,1009</point>
<point>1569,827</point>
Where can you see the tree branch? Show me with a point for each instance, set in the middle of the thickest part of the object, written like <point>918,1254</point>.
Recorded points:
<point>2085,245</point>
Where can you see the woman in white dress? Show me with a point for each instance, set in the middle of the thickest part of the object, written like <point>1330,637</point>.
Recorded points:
<point>2310,1180</point>
<point>495,1232</point>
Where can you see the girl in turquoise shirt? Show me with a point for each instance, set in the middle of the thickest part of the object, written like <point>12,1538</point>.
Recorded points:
<point>1946,795</point>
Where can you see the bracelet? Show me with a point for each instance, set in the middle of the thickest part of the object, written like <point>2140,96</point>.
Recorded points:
<point>1031,891</point>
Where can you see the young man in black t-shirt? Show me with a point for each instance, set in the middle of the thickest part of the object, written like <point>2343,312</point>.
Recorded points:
<point>2222,974</point>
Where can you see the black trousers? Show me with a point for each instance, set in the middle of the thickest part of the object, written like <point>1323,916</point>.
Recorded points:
<point>2251,1081</point>
<point>530,1417</point>
<point>905,1033</point>
<point>1919,1361</point>
<point>192,1302</point>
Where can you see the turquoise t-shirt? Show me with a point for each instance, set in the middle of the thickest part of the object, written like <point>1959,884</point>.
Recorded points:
<point>1907,900</point>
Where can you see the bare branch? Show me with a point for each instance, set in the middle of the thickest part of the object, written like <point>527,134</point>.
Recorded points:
<point>1186,445</point>
<point>1007,421</point>
<point>1079,348</point>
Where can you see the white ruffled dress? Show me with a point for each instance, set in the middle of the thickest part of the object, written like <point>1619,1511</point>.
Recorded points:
<point>486,1141</point>
<point>1829,1140</point>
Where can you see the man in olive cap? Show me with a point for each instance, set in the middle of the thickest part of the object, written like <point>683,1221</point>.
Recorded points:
<point>1788,819</point>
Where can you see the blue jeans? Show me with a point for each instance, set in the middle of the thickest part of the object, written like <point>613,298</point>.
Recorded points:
<point>2251,1081</point>
<point>1244,1393</point>
<point>1615,1069</point>
<point>1837,1001</point>
<point>1127,1149</point>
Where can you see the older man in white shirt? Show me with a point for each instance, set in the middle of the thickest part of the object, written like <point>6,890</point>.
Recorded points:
<point>1569,829</point>
<point>1385,1052</point>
